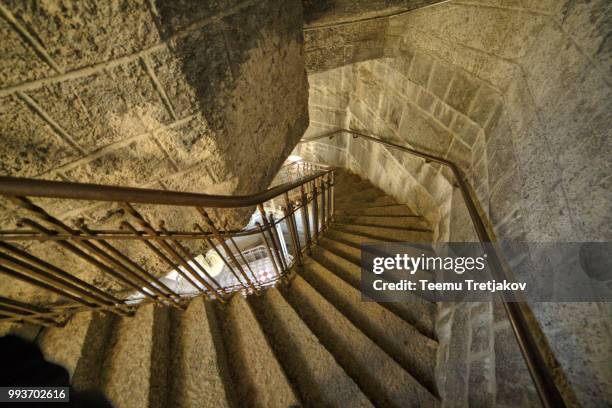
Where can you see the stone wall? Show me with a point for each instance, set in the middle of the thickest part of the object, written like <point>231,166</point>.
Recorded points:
<point>342,32</point>
<point>195,97</point>
<point>518,94</point>
<point>208,97</point>
<point>536,80</point>
<point>479,362</point>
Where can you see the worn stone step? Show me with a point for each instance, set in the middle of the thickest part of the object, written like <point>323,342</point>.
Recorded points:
<point>356,239</point>
<point>412,222</point>
<point>380,377</point>
<point>380,201</point>
<point>353,254</point>
<point>80,347</point>
<point>386,210</point>
<point>415,352</point>
<point>351,238</point>
<point>134,373</point>
<point>320,381</point>
<point>418,312</point>
<point>347,247</point>
<point>386,233</point>
<point>347,175</point>
<point>359,196</point>
<point>342,187</point>
<point>257,375</point>
<point>199,372</point>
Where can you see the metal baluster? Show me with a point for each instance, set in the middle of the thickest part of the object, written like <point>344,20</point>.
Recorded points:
<point>88,258</point>
<point>225,261</point>
<point>269,250</point>
<point>305,221</point>
<point>226,248</point>
<point>162,256</point>
<point>315,210</point>
<point>290,217</point>
<point>323,206</point>
<point>274,232</point>
<point>175,255</point>
<point>185,253</point>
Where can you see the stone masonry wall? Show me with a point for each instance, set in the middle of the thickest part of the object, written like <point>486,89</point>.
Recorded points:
<point>518,94</point>
<point>199,96</point>
<point>341,32</point>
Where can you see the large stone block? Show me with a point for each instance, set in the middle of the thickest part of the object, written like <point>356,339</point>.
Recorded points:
<point>444,113</point>
<point>481,319</point>
<point>421,69</point>
<point>513,382</point>
<point>466,129</point>
<point>501,156</point>
<point>423,133</point>
<point>105,107</point>
<point>426,101</point>
<point>505,197</point>
<point>188,143</point>
<point>460,154</point>
<point>462,91</point>
<point>589,26</point>
<point>456,387</point>
<point>486,102</point>
<point>178,15</point>
<point>330,116</point>
<point>480,387</point>
<point>441,77</point>
<point>29,145</point>
<point>193,70</point>
<point>88,32</point>
<point>19,62</point>
<point>137,163</point>
<point>391,112</point>
<point>331,47</point>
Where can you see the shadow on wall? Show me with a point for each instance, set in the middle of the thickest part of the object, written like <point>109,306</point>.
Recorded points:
<point>243,64</point>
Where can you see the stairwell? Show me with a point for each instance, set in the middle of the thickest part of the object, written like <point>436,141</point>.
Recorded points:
<point>311,341</point>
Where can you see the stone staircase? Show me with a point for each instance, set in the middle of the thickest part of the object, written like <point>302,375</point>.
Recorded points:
<point>310,342</point>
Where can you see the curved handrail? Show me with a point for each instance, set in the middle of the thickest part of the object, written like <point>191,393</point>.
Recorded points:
<point>534,358</point>
<point>17,187</point>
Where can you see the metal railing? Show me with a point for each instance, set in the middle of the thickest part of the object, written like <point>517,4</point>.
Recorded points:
<point>518,312</point>
<point>299,209</point>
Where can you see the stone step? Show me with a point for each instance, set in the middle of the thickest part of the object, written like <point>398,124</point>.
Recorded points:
<point>343,187</point>
<point>415,352</point>
<point>411,222</point>
<point>318,378</point>
<point>345,244</point>
<point>351,238</point>
<point>359,196</point>
<point>347,176</point>
<point>256,373</point>
<point>199,372</point>
<point>134,373</point>
<point>418,312</point>
<point>380,201</point>
<point>353,254</point>
<point>79,347</point>
<point>380,377</point>
<point>386,210</point>
<point>356,239</point>
<point>388,234</point>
